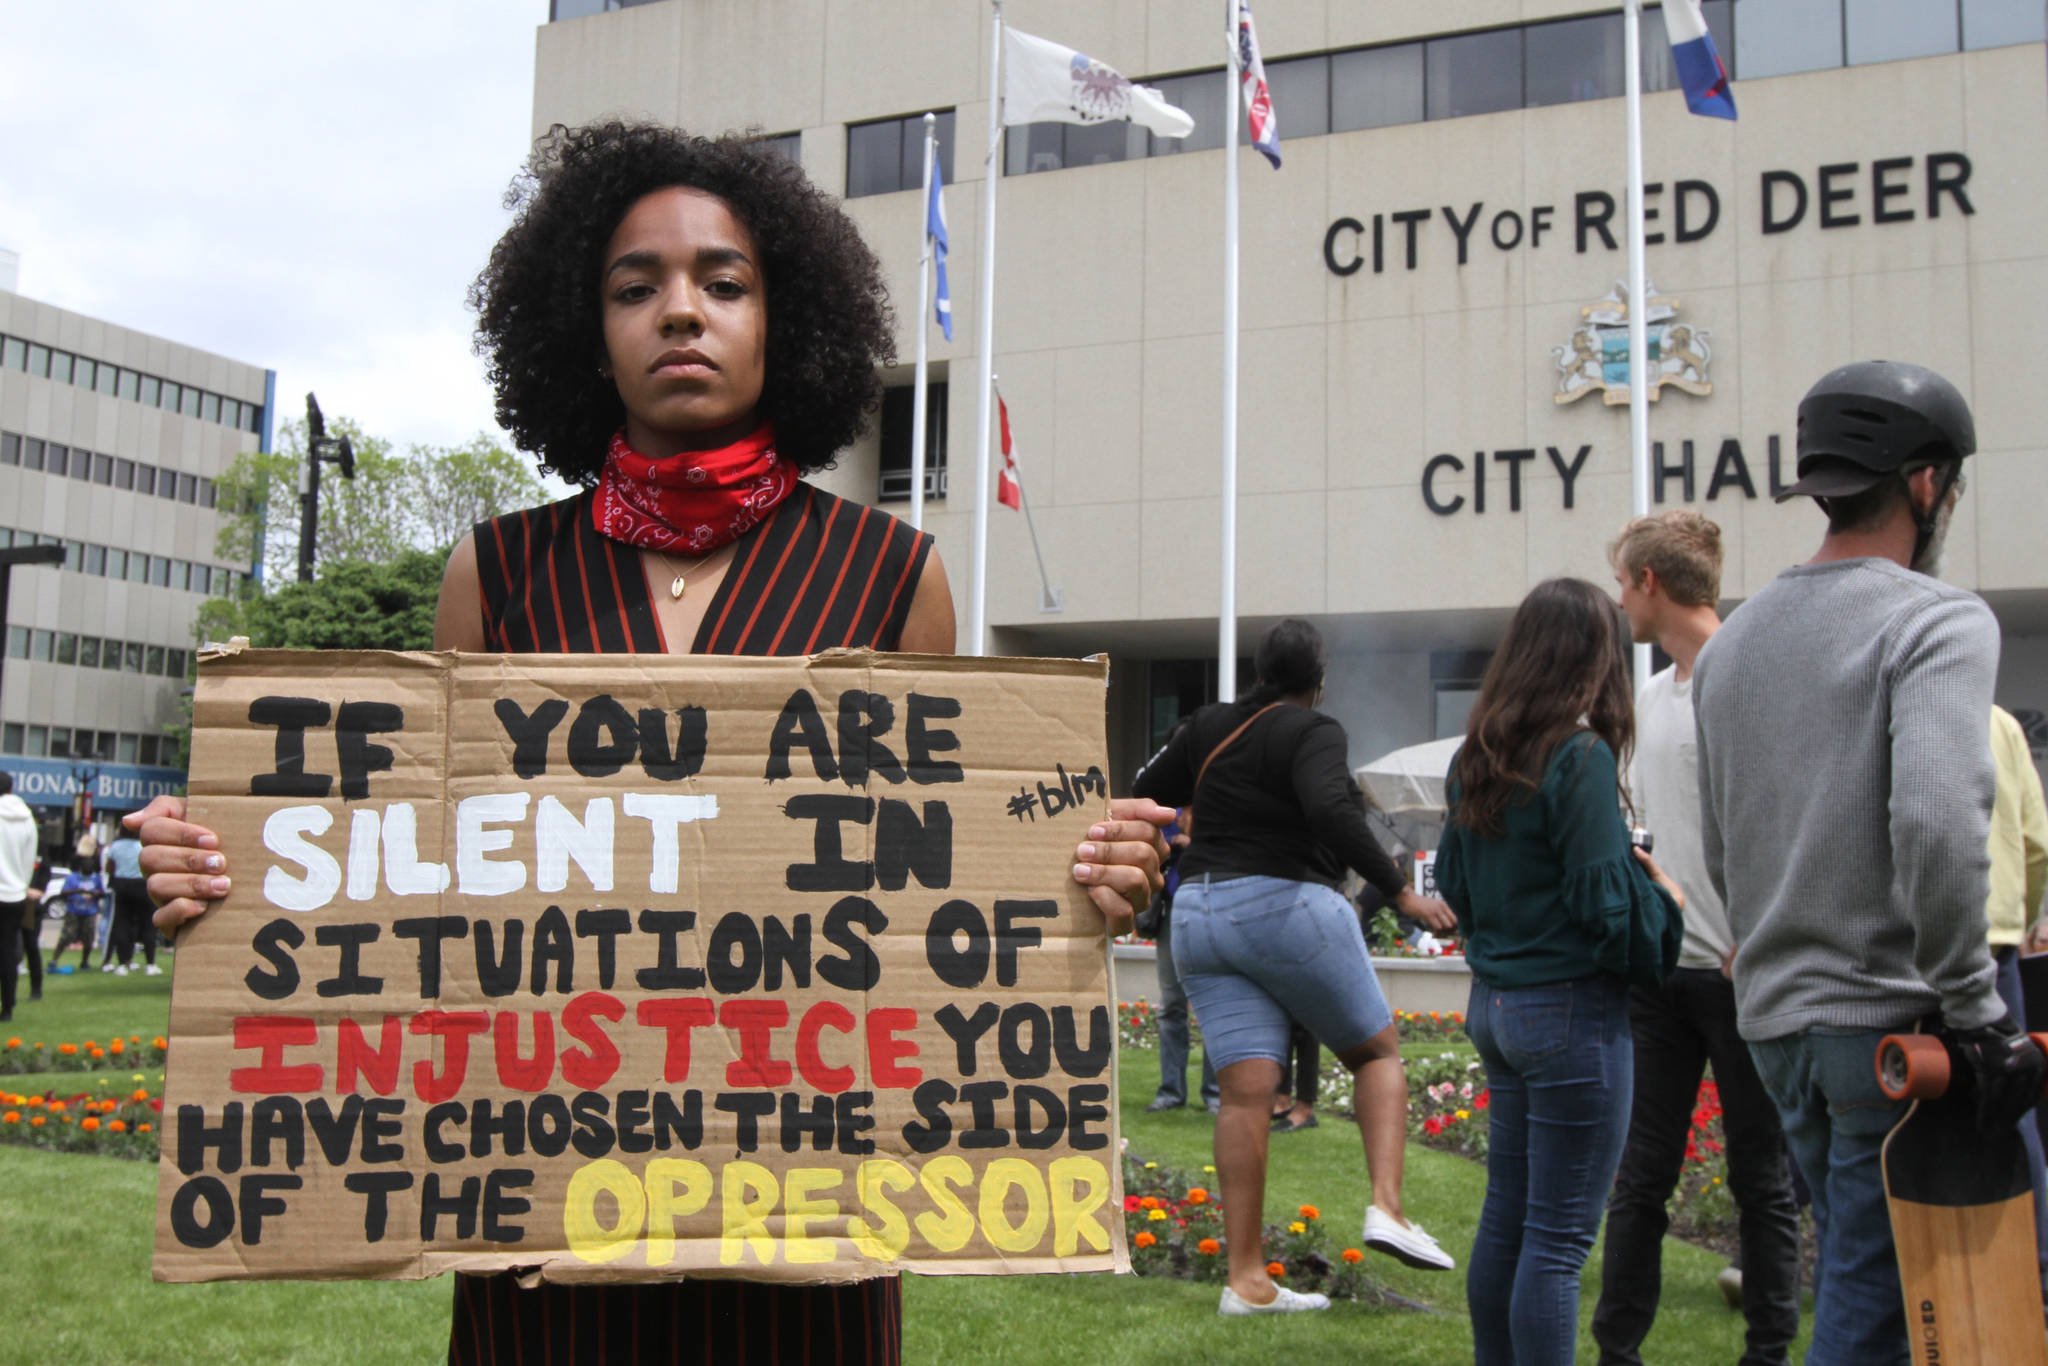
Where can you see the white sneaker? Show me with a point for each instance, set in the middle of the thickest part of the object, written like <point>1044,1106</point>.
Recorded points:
<point>1404,1242</point>
<point>106,967</point>
<point>1285,1302</point>
<point>121,971</point>
<point>152,971</point>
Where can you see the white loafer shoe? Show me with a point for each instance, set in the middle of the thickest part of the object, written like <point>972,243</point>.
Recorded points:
<point>1404,1242</point>
<point>1285,1302</point>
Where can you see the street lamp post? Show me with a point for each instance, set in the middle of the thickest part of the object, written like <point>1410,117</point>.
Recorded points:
<point>22,554</point>
<point>320,448</point>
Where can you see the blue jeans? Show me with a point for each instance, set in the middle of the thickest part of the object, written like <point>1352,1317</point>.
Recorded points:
<point>1824,1083</point>
<point>1173,1032</point>
<point>2008,960</point>
<point>1560,1067</point>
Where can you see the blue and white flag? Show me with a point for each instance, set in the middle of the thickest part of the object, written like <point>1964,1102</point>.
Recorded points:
<point>935,229</point>
<point>1700,69</point>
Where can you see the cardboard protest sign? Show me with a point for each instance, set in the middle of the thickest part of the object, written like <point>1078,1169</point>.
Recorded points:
<point>629,968</point>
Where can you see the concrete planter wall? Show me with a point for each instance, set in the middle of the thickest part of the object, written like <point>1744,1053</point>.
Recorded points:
<point>1420,984</point>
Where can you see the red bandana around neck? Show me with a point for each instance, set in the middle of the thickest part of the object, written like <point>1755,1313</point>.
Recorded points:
<point>694,502</point>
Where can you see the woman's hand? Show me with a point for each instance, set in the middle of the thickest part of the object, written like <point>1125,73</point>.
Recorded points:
<point>2037,937</point>
<point>1434,914</point>
<point>185,869</point>
<point>1119,864</point>
<point>1660,877</point>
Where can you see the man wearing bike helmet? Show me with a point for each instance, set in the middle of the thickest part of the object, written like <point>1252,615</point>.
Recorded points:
<point>1845,790</point>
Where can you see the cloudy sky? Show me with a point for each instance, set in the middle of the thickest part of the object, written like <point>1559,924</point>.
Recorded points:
<point>307,187</point>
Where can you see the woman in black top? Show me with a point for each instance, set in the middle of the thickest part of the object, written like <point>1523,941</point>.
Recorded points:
<point>683,326</point>
<point>1259,920</point>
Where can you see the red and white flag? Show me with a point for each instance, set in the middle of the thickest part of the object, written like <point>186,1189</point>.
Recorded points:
<point>1258,100</point>
<point>1008,491</point>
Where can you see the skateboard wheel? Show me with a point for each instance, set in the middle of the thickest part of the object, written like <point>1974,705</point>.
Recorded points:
<point>1912,1066</point>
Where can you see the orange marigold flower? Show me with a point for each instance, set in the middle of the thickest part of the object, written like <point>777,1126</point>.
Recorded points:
<point>134,1038</point>
<point>88,1124</point>
<point>11,1117</point>
<point>1276,1271</point>
<point>1143,1240</point>
<point>1208,1247</point>
<point>140,1094</point>
<point>117,1126</point>
<point>57,1105</point>
<point>67,1048</point>
<point>142,1128</point>
<point>35,1102</point>
<point>14,1042</point>
<point>37,1122</point>
<point>117,1047</point>
<point>1352,1255</point>
<point>1311,1212</point>
<point>158,1042</point>
<point>1150,1202</point>
<point>99,1052</point>
<point>1198,1196</point>
<point>92,1043</point>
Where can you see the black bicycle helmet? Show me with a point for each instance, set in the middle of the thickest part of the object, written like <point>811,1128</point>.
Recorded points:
<point>1866,422</point>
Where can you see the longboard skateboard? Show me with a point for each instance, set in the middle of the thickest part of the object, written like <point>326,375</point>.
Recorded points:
<point>1962,1216</point>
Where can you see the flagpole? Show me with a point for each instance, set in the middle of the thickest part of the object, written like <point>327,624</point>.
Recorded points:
<point>924,290</point>
<point>985,323</point>
<point>1226,605</point>
<point>1638,302</point>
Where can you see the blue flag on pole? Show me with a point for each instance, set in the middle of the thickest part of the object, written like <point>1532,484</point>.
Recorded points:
<point>1700,69</point>
<point>935,228</point>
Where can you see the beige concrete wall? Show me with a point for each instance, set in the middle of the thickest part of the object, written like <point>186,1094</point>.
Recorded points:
<point>1108,301</point>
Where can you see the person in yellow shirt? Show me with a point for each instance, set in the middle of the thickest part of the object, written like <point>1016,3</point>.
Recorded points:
<point>2019,875</point>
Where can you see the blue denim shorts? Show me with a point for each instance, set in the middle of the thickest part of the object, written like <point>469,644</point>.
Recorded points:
<point>1254,953</point>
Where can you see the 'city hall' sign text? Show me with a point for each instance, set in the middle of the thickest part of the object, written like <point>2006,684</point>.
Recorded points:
<point>1454,483</point>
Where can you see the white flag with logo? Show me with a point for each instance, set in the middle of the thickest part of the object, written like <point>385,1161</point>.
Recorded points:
<point>1046,83</point>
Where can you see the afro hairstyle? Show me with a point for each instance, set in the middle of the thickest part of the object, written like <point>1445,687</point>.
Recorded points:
<point>539,310</point>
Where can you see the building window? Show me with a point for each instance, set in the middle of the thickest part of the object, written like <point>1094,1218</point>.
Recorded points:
<point>159,574</point>
<point>788,146</point>
<point>190,406</point>
<point>38,742</point>
<point>167,484</point>
<point>154,662</point>
<point>117,564</point>
<point>138,567</point>
<point>1892,30</point>
<point>39,360</point>
<point>231,412</point>
<point>205,492</point>
<point>1200,93</point>
<point>103,469</point>
<point>174,663</point>
<point>31,454</point>
<point>1301,87</point>
<point>74,555</point>
<point>145,478</point>
<point>148,751</point>
<point>152,390</point>
<point>60,742</point>
<point>83,373</point>
<point>131,657</point>
<point>888,155</point>
<point>60,366</point>
<point>88,652</point>
<point>126,753</point>
<point>10,449</point>
<point>108,380</point>
<point>1660,72</point>
<point>1473,73</point>
<point>577,9</point>
<point>57,459</point>
<point>11,738</point>
<point>17,642</point>
<point>897,403</point>
<point>210,409</point>
<point>1986,23</point>
<point>124,473</point>
<point>130,384</point>
<point>1576,59</point>
<point>110,654</point>
<point>188,488</point>
<point>67,648</point>
<point>81,465</point>
<point>96,559</point>
<point>39,646</point>
<point>14,355</point>
<point>1788,36</point>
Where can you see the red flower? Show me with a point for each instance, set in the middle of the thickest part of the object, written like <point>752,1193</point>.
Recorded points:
<point>1132,1204</point>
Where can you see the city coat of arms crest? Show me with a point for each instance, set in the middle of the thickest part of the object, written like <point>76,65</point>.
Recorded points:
<point>1595,360</point>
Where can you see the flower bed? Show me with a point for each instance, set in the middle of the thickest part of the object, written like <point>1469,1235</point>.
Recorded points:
<point>18,1056</point>
<point>107,1120</point>
<point>1175,1225</point>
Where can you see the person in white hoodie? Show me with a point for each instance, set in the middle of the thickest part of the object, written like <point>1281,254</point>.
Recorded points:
<point>17,862</point>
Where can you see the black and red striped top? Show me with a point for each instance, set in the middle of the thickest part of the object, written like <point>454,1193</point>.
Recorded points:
<point>820,572</point>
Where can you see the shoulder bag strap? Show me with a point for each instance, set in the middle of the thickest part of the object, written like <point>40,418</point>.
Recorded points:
<point>1188,820</point>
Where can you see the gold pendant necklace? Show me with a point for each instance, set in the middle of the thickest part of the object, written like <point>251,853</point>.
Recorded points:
<point>675,587</point>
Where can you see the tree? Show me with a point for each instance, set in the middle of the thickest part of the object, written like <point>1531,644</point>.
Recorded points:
<point>350,605</point>
<point>425,500</point>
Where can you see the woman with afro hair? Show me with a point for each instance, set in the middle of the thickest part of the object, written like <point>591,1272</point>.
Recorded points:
<point>685,327</point>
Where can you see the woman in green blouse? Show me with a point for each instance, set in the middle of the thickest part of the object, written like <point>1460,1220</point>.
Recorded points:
<point>1560,915</point>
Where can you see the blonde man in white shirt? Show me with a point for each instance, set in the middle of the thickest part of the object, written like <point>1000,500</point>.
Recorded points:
<point>1669,571</point>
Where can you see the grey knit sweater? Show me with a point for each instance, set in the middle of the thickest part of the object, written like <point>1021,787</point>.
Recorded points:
<point>1845,797</point>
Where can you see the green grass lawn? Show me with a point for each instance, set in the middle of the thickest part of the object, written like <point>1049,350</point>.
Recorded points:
<point>75,1238</point>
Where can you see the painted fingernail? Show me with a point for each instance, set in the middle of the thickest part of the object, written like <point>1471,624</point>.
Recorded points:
<point>219,886</point>
<point>1083,871</point>
<point>209,841</point>
<point>214,863</point>
<point>1087,851</point>
<point>1098,832</point>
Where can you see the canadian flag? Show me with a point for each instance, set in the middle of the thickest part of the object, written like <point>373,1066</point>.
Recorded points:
<point>1008,491</point>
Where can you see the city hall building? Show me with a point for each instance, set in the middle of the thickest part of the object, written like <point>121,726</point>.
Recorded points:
<point>110,441</point>
<point>1433,395</point>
